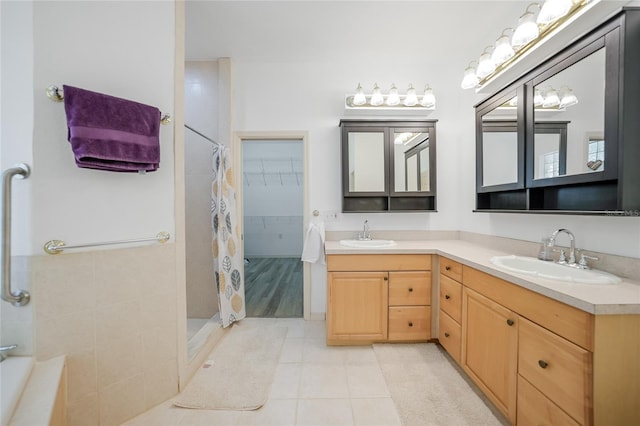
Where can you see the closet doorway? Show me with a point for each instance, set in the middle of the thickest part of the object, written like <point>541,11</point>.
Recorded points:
<point>273,218</point>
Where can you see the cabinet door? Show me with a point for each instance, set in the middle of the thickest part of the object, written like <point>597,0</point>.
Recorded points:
<point>357,307</point>
<point>490,349</point>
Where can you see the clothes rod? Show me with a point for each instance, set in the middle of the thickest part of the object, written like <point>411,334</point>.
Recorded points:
<point>57,246</point>
<point>56,95</point>
<point>201,134</point>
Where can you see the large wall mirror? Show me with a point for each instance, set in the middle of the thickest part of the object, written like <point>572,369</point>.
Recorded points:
<point>575,98</point>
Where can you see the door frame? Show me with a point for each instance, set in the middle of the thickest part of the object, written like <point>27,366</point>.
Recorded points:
<point>236,144</point>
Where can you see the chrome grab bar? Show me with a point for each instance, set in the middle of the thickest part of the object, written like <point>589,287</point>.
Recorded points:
<point>57,246</point>
<point>21,297</point>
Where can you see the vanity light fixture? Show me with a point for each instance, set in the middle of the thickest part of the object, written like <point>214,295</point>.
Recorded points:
<point>393,100</point>
<point>538,99</point>
<point>485,64</point>
<point>470,79</point>
<point>530,31</point>
<point>552,10</point>
<point>551,98</point>
<point>503,49</point>
<point>376,97</point>
<point>527,29</point>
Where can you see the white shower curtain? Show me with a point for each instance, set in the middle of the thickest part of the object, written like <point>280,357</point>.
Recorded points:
<point>227,259</point>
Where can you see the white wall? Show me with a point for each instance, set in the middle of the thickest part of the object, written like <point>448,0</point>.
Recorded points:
<point>75,43</point>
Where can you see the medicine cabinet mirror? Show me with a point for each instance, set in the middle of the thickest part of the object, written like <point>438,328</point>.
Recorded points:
<point>388,165</point>
<point>563,137</point>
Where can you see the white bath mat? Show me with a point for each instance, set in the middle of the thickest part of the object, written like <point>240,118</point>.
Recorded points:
<point>239,371</point>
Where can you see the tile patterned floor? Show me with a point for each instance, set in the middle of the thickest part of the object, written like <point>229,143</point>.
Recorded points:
<point>314,385</point>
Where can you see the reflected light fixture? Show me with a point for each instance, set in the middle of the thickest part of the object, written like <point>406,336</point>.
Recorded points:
<point>411,99</point>
<point>551,98</point>
<point>503,50</point>
<point>485,64</point>
<point>429,99</point>
<point>567,97</point>
<point>393,99</point>
<point>552,10</point>
<point>527,29</point>
<point>538,99</point>
<point>376,97</point>
<point>470,79</point>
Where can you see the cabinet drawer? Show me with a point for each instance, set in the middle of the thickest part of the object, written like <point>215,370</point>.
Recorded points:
<point>409,323</point>
<point>409,288</point>
<point>451,297</point>
<point>449,335</point>
<point>558,368</point>
<point>451,268</point>
<point>379,262</point>
<point>535,409</point>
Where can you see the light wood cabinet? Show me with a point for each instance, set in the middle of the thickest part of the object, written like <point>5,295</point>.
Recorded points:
<point>490,349</point>
<point>378,298</point>
<point>535,409</point>
<point>450,316</point>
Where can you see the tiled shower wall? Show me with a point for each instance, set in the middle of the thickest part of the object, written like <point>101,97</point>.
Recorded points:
<point>113,314</point>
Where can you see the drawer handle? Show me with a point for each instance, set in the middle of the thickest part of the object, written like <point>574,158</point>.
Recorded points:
<point>386,278</point>
<point>410,289</point>
<point>446,296</point>
<point>447,268</point>
<point>410,324</point>
<point>543,364</point>
<point>510,322</point>
<point>446,334</point>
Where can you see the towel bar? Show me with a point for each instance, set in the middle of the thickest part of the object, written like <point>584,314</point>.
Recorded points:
<point>57,246</point>
<point>55,94</point>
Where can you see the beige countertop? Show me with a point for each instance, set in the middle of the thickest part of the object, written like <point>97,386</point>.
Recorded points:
<point>605,299</point>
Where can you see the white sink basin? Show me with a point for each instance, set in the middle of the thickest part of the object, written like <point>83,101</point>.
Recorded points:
<point>553,271</point>
<point>368,243</point>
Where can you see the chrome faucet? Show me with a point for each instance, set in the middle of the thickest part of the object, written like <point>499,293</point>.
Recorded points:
<point>366,235</point>
<point>572,250</point>
<point>4,349</point>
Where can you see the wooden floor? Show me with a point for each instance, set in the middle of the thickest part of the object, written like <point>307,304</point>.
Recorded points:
<point>273,287</point>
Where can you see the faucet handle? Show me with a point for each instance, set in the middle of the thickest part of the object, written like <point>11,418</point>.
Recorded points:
<point>563,257</point>
<point>582,264</point>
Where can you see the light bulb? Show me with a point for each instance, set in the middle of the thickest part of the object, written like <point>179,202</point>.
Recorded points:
<point>393,99</point>
<point>470,79</point>
<point>359,98</point>
<point>568,98</point>
<point>485,65</point>
<point>411,99</point>
<point>551,99</point>
<point>526,31</point>
<point>428,100</point>
<point>376,97</point>
<point>503,50</point>
<point>538,99</point>
<point>552,10</point>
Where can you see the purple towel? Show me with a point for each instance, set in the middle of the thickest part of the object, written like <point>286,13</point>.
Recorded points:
<point>110,133</point>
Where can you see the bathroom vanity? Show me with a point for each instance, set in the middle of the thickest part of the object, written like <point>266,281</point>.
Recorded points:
<point>543,351</point>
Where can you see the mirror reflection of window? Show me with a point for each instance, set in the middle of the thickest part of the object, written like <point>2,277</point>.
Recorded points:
<point>366,162</point>
<point>500,144</point>
<point>551,161</point>
<point>575,95</point>
<point>411,161</point>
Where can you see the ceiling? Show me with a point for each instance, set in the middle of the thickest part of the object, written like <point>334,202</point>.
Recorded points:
<point>307,30</point>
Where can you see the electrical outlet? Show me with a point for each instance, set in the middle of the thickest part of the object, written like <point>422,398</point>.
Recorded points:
<point>330,216</point>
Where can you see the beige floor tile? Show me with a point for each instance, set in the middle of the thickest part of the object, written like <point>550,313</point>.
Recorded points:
<point>210,418</point>
<point>324,412</point>
<point>278,412</point>
<point>317,352</point>
<point>375,412</point>
<point>359,355</point>
<point>366,381</point>
<point>323,381</point>
<point>295,326</point>
<point>292,350</point>
<point>315,330</point>
<point>165,414</point>
<point>286,381</point>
